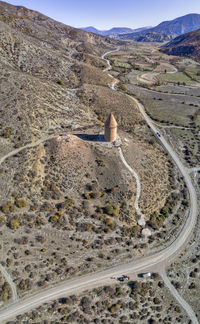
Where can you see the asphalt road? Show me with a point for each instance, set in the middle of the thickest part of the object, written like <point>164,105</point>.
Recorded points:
<point>154,262</point>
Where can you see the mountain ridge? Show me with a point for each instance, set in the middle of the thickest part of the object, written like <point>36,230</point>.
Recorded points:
<point>171,28</point>
<point>114,30</point>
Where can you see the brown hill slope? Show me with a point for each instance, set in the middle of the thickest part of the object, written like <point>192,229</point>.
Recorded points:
<point>185,45</point>
<point>39,26</point>
<point>36,59</point>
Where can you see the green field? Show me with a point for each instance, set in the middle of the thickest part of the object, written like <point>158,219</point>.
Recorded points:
<point>122,64</point>
<point>178,77</point>
<point>194,73</point>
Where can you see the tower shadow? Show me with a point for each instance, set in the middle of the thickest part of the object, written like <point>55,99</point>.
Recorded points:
<point>91,137</point>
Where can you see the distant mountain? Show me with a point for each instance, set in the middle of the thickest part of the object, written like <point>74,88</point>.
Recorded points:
<point>114,30</point>
<point>170,28</point>
<point>91,29</point>
<point>117,30</point>
<point>185,45</point>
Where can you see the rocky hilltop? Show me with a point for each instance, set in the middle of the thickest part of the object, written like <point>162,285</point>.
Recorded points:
<point>185,45</point>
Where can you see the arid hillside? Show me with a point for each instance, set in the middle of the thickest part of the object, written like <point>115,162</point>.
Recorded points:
<point>187,45</point>
<point>66,198</point>
<point>38,78</point>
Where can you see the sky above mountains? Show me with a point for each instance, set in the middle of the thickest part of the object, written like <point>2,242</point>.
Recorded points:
<point>105,14</point>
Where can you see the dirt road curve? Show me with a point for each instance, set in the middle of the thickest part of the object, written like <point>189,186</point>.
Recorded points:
<point>151,77</point>
<point>154,262</point>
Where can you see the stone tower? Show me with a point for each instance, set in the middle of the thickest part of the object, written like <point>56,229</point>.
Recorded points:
<point>110,134</point>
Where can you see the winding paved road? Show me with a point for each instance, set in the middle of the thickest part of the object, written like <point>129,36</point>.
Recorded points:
<point>158,260</point>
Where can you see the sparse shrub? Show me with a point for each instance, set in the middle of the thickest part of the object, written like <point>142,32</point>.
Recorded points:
<point>2,220</point>
<point>134,230</point>
<point>20,203</point>
<point>20,117</point>
<point>156,300</point>
<point>177,309</point>
<point>13,224</point>
<point>60,82</point>
<point>114,308</point>
<point>8,207</point>
<point>118,291</point>
<point>192,286</point>
<point>100,162</point>
<point>108,209</point>
<point>86,195</point>
<point>6,133</point>
<point>67,203</point>
<point>109,222</point>
<point>93,194</point>
<point>112,210</point>
<point>25,284</point>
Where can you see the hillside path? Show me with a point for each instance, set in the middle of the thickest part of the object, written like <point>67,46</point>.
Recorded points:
<point>178,297</point>
<point>138,193</point>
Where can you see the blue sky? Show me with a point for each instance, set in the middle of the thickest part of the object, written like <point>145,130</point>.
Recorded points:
<point>105,14</point>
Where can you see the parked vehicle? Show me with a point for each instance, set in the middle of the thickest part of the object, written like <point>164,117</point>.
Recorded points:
<point>144,275</point>
<point>123,278</point>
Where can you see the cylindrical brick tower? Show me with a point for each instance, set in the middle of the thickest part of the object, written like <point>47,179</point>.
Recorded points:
<point>110,134</point>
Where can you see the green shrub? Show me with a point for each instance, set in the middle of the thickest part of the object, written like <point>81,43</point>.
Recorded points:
<point>20,117</point>
<point>60,82</point>
<point>109,222</point>
<point>8,207</point>
<point>114,308</point>
<point>5,296</point>
<point>93,194</point>
<point>156,300</point>
<point>111,210</point>
<point>2,220</point>
<point>67,203</point>
<point>20,203</point>
<point>177,309</point>
<point>100,162</point>
<point>108,209</point>
<point>122,87</point>
<point>6,133</point>
<point>13,224</point>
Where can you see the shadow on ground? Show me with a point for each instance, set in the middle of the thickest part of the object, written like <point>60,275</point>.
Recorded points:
<point>91,137</point>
